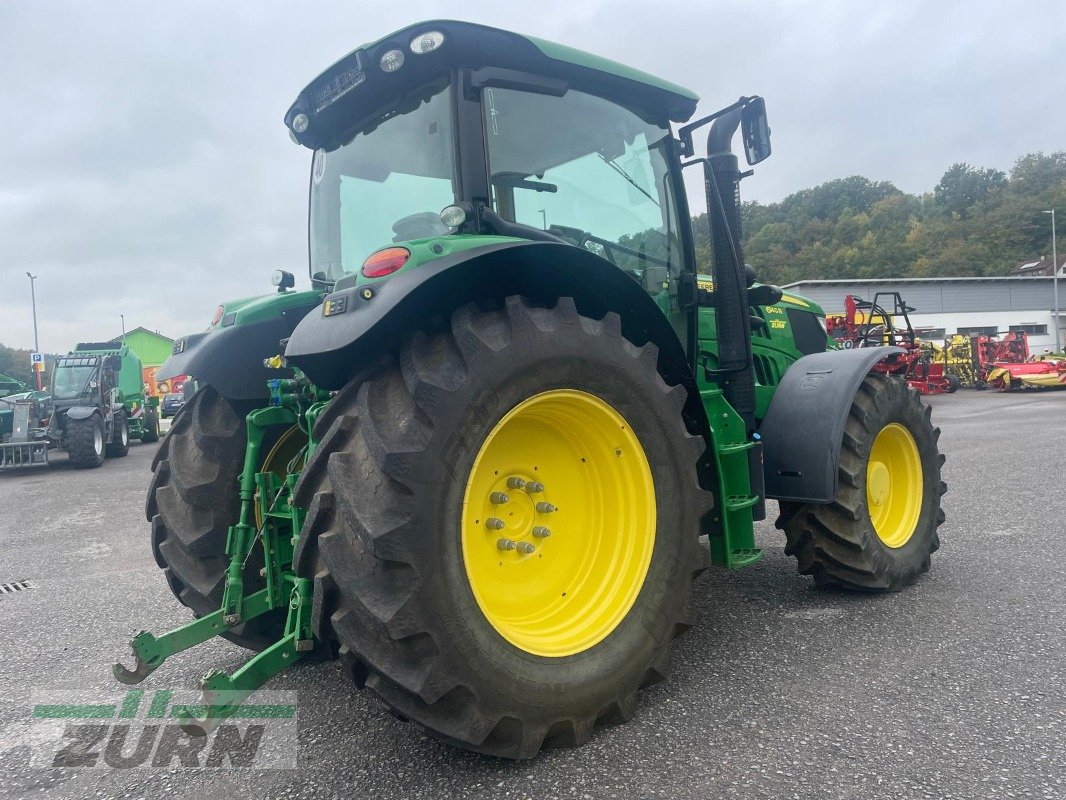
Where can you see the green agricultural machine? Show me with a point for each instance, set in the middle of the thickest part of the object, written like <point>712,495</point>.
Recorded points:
<point>477,459</point>
<point>96,404</point>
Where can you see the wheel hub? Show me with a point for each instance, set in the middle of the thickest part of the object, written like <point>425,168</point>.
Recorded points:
<point>878,482</point>
<point>894,485</point>
<point>558,523</point>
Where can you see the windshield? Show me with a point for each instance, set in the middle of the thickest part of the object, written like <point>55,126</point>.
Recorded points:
<point>388,184</point>
<point>584,168</point>
<point>70,382</point>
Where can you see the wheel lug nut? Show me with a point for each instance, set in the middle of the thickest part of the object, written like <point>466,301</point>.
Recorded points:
<point>541,532</point>
<point>498,498</point>
<point>545,508</point>
<point>505,544</point>
<point>494,523</point>
<point>534,487</point>
<point>514,482</point>
<point>525,547</point>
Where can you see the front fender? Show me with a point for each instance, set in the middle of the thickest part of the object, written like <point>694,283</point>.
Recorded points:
<point>231,359</point>
<point>376,317</point>
<point>804,426</point>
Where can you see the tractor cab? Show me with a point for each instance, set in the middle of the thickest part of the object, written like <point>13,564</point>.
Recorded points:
<point>448,131</point>
<point>81,379</point>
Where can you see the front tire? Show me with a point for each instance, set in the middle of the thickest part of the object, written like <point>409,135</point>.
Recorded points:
<point>85,441</point>
<point>403,555</point>
<point>879,532</point>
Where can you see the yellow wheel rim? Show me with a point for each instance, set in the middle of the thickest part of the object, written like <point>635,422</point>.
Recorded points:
<point>558,523</point>
<point>894,485</point>
<point>285,449</point>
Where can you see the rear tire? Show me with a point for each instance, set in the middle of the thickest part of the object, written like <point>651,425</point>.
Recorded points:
<point>386,527</point>
<point>85,441</point>
<point>192,501</point>
<point>119,445</point>
<point>151,427</point>
<point>953,383</point>
<point>838,543</point>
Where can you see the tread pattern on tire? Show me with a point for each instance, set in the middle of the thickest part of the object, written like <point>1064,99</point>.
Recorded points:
<point>192,501</point>
<point>370,574</point>
<point>836,543</point>
<point>81,447</point>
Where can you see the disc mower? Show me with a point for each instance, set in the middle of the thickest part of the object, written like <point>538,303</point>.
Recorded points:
<point>1043,372</point>
<point>476,459</point>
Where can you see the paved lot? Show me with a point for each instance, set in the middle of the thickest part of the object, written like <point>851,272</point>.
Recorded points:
<point>954,688</point>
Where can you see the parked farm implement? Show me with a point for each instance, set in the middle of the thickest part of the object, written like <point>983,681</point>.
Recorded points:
<point>475,460</point>
<point>1044,372</point>
<point>872,324</point>
<point>1000,362</point>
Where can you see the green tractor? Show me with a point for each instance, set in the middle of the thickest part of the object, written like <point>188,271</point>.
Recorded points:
<point>475,461</point>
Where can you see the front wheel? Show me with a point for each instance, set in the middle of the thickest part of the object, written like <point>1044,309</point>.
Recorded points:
<point>85,441</point>
<point>503,526</point>
<point>879,532</point>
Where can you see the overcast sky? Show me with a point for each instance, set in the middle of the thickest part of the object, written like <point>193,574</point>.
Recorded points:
<point>145,169</point>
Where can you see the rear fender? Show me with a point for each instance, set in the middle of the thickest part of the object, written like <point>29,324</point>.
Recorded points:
<point>231,358</point>
<point>376,317</point>
<point>804,425</point>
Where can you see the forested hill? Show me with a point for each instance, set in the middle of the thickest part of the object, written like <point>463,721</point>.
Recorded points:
<point>974,222</point>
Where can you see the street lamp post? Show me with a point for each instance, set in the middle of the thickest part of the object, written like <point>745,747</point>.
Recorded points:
<point>1055,278</point>
<point>123,318</point>
<point>36,345</point>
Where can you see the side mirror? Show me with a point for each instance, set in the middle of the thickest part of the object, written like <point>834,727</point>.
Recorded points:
<point>755,131</point>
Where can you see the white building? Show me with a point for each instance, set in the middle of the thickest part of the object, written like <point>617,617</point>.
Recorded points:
<point>943,306</point>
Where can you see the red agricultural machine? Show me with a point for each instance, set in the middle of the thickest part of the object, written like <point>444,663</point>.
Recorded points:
<point>872,324</point>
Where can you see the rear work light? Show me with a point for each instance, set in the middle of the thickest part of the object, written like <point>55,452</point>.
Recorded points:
<point>385,262</point>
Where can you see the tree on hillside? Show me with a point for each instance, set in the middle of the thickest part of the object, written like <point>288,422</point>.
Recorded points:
<point>962,187</point>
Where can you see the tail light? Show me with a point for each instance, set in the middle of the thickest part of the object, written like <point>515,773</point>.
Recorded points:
<point>385,262</point>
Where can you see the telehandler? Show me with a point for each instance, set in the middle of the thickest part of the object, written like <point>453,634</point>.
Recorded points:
<point>475,461</point>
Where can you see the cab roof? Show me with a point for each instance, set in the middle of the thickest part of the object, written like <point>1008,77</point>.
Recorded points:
<point>355,87</point>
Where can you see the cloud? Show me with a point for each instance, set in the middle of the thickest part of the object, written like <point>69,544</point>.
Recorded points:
<point>146,172</point>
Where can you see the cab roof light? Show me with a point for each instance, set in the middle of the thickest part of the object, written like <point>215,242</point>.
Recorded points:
<point>426,42</point>
<point>385,262</point>
<point>391,61</point>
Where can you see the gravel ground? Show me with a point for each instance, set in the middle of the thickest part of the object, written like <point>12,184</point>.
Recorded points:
<point>953,688</point>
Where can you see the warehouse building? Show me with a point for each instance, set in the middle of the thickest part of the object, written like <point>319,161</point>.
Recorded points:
<point>943,306</point>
